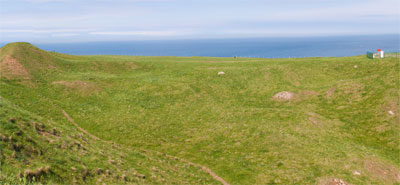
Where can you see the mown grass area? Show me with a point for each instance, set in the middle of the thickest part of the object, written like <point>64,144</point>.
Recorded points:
<point>344,117</point>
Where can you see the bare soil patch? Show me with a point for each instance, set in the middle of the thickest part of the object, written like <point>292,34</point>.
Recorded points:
<point>72,84</point>
<point>37,173</point>
<point>131,65</point>
<point>10,68</point>
<point>214,61</point>
<point>334,181</point>
<point>77,126</point>
<point>352,88</point>
<point>309,93</point>
<point>224,61</point>
<point>381,170</point>
<point>330,92</point>
<point>84,87</point>
<point>285,96</point>
<point>391,107</point>
<point>315,119</point>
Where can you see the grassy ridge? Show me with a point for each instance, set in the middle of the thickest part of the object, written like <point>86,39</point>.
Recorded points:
<point>337,123</point>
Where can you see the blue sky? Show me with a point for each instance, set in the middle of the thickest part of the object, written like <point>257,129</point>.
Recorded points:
<point>114,20</point>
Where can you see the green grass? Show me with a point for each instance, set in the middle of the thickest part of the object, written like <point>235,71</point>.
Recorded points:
<point>231,124</point>
<point>393,54</point>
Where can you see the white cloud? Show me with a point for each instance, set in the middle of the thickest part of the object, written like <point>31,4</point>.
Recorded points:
<point>64,34</point>
<point>40,31</point>
<point>144,19</point>
<point>141,33</point>
<point>97,1</point>
<point>45,1</point>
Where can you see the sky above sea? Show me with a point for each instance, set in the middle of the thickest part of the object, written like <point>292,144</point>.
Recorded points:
<point>63,21</point>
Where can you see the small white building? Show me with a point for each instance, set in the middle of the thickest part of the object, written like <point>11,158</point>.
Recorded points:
<point>379,54</point>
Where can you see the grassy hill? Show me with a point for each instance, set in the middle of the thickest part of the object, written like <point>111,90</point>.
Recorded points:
<point>174,120</point>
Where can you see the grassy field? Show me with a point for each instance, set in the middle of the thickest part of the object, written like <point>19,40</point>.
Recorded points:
<point>150,119</point>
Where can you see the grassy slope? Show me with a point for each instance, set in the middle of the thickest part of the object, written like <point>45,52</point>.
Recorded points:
<point>29,141</point>
<point>338,123</point>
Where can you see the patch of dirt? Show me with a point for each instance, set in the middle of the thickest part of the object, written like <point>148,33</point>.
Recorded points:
<point>84,87</point>
<point>37,173</point>
<point>72,84</point>
<point>215,61</point>
<point>131,65</point>
<point>314,118</point>
<point>314,121</point>
<point>391,108</point>
<point>352,88</point>
<point>383,171</point>
<point>381,128</point>
<point>223,61</point>
<point>309,93</point>
<point>285,95</point>
<point>53,67</point>
<point>77,126</point>
<point>330,92</point>
<point>334,181</point>
<point>49,134</point>
<point>10,68</point>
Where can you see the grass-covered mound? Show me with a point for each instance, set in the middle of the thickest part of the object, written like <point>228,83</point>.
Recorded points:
<point>265,121</point>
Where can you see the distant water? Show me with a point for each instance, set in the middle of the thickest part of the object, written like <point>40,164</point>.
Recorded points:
<point>263,47</point>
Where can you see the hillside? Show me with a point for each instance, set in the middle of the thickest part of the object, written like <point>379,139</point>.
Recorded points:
<point>125,119</point>
<point>55,150</point>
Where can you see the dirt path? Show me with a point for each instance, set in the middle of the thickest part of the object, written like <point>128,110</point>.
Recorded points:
<point>77,126</point>
<point>204,168</point>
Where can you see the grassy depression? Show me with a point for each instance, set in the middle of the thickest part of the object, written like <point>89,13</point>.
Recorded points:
<point>341,123</point>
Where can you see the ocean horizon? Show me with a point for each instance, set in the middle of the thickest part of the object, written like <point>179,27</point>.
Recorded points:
<point>289,47</point>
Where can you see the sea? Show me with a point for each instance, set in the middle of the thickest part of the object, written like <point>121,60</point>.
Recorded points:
<point>289,47</point>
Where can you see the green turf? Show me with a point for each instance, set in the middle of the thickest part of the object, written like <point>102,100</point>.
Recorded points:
<point>338,122</point>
